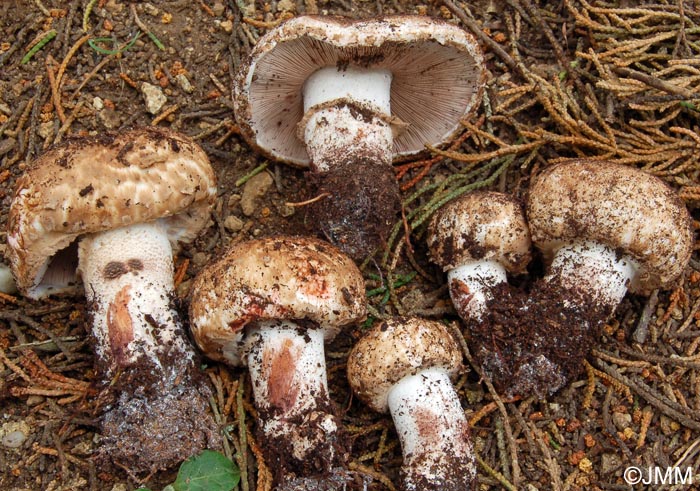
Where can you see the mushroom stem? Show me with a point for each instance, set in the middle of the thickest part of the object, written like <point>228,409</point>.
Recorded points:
<point>434,433</point>
<point>142,352</point>
<point>472,286</point>
<point>288,371</point>
<point>589,266</point>
<point>346,116</point>
<point>128,277</point>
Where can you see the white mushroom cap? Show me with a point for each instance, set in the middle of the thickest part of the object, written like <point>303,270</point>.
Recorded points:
<point>276,278</point>
<point>480,226</point>
<point>622,207</point>
<point>398,348</point>
<point>437,77</point>
<point>88,185</point>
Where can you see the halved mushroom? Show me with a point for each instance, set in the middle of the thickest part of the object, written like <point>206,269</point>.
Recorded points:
<point>113,209</point>
<point>347,97</point>
<point>271,304</point>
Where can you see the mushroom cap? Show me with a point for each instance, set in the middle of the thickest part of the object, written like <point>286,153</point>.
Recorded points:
<point>397,348</point>
<point>438,77</point>
<point>276,278</point>
<point>622,207</point>
<point>93,184</point>
<point>483,225</point>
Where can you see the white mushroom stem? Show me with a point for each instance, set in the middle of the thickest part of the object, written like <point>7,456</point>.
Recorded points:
<point>288,370</point>
<point>471,287</point>
<point>128,277</point>
<point>593,268</point>
<point>434,432</point>
<point>336,132</point>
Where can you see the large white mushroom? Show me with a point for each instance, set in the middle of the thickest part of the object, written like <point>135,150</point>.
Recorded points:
<point>111,210</point>
<point>345,98</point>
<point>271,304</point>
<point>404,366</point>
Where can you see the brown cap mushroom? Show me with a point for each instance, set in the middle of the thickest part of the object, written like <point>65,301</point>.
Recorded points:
<point>270,303</point>
<point>95,184</point>
<point>612,217</point>
<point>345,98</point>
<point>114,207</point>
<point>404,366</point>
<point>605,228</point>
<point>477,238</point>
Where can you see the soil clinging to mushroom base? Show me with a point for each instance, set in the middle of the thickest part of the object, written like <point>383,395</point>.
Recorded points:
<point>534,342</point>
<point>360,206</point>
<point>156,416</point>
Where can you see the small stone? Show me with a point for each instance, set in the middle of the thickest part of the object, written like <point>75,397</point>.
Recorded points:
<point>153,96</point>
<point>109,118</point>
<point>233,223</point>
<point>7,281</point>
<point>286,6</point>
<point>227,26</point>
<point>184,83</point>
<point>151,9</point>
<point>218,8</point>
<point>98,103</point>
<point>609,462</point>
<point>6,145</point>
<point>199,259</point>
<point>14,433</point>
<point>621,420</point>
<point>256,187</point>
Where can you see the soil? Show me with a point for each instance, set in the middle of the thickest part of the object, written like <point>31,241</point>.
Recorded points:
<point>636,403</point>
<point>360,206</point>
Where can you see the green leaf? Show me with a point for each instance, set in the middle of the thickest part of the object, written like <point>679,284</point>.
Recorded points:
<point>208,471</point>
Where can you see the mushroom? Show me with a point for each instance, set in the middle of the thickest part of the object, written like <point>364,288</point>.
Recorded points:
<point>345,98</point>
<point>477,239</point>
<point>113,209</point>
<point>405,366</point>
<point>271,304</point>
<point>604,229</point>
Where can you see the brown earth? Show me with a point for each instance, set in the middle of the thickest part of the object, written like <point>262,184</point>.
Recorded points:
<point>616,80</point>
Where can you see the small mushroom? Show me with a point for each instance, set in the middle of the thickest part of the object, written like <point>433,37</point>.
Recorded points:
<point>604,229</point>
<point>477,239</point>
<point>405,366</point>
<point>345,98</point>
<point>114,208</point>
<point>271,304</point>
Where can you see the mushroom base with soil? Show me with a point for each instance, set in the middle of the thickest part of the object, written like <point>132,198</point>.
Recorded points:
<point>300,432</point>
<point>159,416</point>
<point>434,433</point>
<point>360,205</point>
<point>536,342</point>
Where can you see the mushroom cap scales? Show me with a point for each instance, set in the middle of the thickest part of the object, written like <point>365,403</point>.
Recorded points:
<point>437,68</point>
<point>397,348</point>
<point>276,278</point>
<point>619,206</point>
<point>94,184</point>
<point>483,225</point>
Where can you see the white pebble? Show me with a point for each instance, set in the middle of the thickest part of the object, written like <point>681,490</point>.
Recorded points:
<point>14,439</point>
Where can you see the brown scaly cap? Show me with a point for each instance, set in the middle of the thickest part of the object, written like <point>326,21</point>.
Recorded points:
<point>87,185</point>
<point>619,206</point>
<point>438,77</point>
<point>276,278</point>
<point>483,225</point>
<point>396,348</point>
